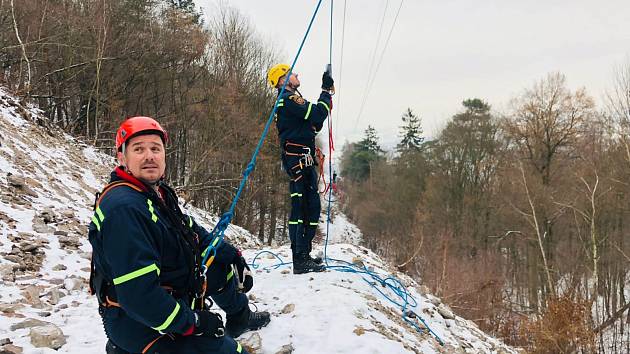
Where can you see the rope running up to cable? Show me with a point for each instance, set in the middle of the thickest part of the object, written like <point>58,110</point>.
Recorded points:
<point>405,299</point>
<point>218,232</point>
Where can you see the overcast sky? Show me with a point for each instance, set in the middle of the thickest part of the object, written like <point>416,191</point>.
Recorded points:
<point>441,52</point>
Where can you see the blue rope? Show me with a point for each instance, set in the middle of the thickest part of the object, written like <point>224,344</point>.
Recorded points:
<point>391,283</point>
<point>329,125</point>
<point>218,232</point>
<point>404,298</point>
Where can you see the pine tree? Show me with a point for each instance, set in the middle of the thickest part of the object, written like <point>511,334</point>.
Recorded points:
<point>362,155</point>
<point>187,6</point>
<point>370,142</point>
<point>410,133</point>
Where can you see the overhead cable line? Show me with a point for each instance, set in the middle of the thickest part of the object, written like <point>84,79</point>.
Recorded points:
<point>330,48</point>
<point>367,82</point>
<point>218,233</point>
<point>389,287</point>
<point>343,36</point>
<point>372,77</point>
<point>389,36</point>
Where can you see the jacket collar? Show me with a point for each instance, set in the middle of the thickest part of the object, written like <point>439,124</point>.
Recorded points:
<point>119,174</point>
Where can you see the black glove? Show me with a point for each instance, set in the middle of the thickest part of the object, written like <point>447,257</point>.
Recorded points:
<point>208,324</point>
<point>328,83</point>
<point>245,278</point>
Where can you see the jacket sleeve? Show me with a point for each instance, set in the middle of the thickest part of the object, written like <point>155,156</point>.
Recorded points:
<point>315,113</point>
<point>225,252</point>
<point>133,256</point>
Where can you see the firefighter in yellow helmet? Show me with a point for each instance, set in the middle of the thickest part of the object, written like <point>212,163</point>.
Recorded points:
<point>298,122</point>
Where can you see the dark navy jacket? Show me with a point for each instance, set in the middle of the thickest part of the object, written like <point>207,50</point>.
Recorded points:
<point>140,249</point>
<point>299,120</point>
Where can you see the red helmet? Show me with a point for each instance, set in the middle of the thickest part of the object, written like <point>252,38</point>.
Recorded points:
<point>135,125</point>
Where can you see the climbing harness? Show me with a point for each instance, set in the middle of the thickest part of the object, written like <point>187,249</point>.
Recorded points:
<point>217,234</point>
<point>301,151</point>
<point>405,299</point>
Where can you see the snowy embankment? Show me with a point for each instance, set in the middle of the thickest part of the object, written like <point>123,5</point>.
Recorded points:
<point>47,186</point>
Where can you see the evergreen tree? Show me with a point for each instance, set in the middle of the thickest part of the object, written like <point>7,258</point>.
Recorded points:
<point>359,157</point>
<point>370,142</point>
<point>410,133</point>
<point>187,6</point>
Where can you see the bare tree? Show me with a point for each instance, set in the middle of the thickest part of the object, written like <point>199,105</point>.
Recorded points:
<point>547,119</point>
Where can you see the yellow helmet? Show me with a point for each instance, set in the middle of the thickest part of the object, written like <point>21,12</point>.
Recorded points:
<point>276,72</point>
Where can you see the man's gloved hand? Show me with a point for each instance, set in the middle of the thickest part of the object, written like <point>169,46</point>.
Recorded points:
<point>245,278</point>
<point>208,324</point>
<point>328,83</point>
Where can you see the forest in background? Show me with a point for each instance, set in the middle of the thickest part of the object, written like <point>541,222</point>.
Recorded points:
<point>516,219</point>
<point>88,64</point>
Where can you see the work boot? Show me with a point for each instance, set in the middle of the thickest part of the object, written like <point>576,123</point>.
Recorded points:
<point>246,320</point>
<point>303,263</point>
<point>316,259</point>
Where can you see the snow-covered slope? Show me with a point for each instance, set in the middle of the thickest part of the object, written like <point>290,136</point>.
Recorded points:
<point>47,186</point>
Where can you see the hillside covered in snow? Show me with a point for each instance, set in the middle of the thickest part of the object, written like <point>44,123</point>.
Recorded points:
<point>47,185</point>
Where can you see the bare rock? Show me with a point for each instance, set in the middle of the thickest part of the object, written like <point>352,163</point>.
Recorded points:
<point>445,312</point>
<point>20,185</point>
<point>71,284</point>
<point>434,300</point>
<point>25,235</point>
<point>68,242</point>
<point>6,270</point>
<point>48,336</point>
<point>8,220</point>
<point>10,349</point>
<point>31,294</point>
<point>43,228</point>
<point>286,349</point>
<point>13,258</point>
<point>288,308</point>
<point>32,182</point>
<point>29,323</point>
<point>357,261</point>
<point>55,281</point>
<point>29,247</point>
<point>424,290</point>
<point>55,295</point>
<point>60,267</point>
<point>10,308</point>
<point>67,213</point>
<point>42,306</point>
<point>5,341</point>
<point>253,343</point>
<point>359,331</point>
<point>502,351</point>
<point>48,215</point>
<point>16,181</point>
